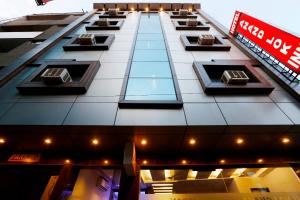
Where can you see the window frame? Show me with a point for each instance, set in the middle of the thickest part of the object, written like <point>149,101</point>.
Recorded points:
<point>159,104</point>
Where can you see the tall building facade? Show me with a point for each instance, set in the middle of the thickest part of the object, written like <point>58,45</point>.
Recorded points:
<point>144,101</point>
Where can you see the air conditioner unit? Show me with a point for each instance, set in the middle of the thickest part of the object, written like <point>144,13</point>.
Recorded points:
<point>112,12</point>
<point>192,22</point>
<point>55,76</point>
<point>183,12</point>
<point>103,22</point>
<point>235,77</point>
<point>86,39</point>
<point>206,39</point>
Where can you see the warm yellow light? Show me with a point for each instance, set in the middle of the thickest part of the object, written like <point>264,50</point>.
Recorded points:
<point>2,140</point>
<point>260,160</point>
<point>161,9</point>
<point>163,191</point>
<point>169,174</point>
<point>161,184</point>
<point>47,141</point>
<point>163,188</point>
<point>190,10</point>
<point>238,172</point>
<point>28,160</point>
<point>95,141</point>
<point>67,161</point>
<point>118,9</point>
<point>146,175</point>
<point>147,9</point>
<point>240,141</point>
<point>183,162</point>
<point>214,174</point>
<point>222,161</point>
<point>132,9</point>
<point>106,162</point>
<point>145,162</point>
<point>285,140</point>
<point>260,172</point>
<point>103,9</point>
<point>192,175</point>
<point>192,141</point>
<point>144,142</point>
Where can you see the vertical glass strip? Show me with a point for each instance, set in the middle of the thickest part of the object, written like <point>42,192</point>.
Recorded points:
<point>150,76</point>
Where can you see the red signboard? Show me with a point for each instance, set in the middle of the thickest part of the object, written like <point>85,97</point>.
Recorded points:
<point>46,1</point>
<point>284,46</point>
<point>27,158</point>
<point>235,22</point>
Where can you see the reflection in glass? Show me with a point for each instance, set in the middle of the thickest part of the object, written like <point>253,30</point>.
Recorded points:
<point>150,70</point>
<point>150,75</point>
<point>150,37</point>
<point>150,44</point>
<point>54,52</point>
<point>234,180</point>
<point>150,55</point>
<point>150,89</point>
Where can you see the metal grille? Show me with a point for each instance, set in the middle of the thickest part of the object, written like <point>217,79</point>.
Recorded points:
<point>287,73</point>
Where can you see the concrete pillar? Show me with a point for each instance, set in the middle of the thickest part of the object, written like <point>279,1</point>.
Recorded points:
<point>130,177</point>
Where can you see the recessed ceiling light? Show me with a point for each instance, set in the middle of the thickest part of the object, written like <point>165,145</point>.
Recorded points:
<point>144,142</point>
<point>67,161</point>
<point>222,161</point>
<point>238,172</point>
<point>95,141</point>
<point>260,160</point>
<point>48,141</point>
<point>285,140</point>
<point>192,141</point>
<point>214,174</point>
<point>192,175</point>
<point>106,162</point>
<point>2,140</point>
<point>146,175</point>
<point>145,162</point>
<point>239,140</point>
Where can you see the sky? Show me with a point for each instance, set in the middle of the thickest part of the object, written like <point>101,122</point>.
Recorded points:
<point>281,13</point>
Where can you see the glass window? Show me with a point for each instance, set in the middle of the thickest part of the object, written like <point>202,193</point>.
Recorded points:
<point>152,97</point>
<point>150,37</point>
<point>233,183</point>
<point>150,87</point>
<point>150,28</point>
<point>150,70</point>
<point>150,76</point>
<point>151,44</point>
<point>80,30</point>
<point>55,52</point>
<point>150,55</point>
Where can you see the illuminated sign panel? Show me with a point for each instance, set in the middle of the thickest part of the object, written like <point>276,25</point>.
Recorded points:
<point>282,45</point>
<point>235,22</point>
<point>27,158</point>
